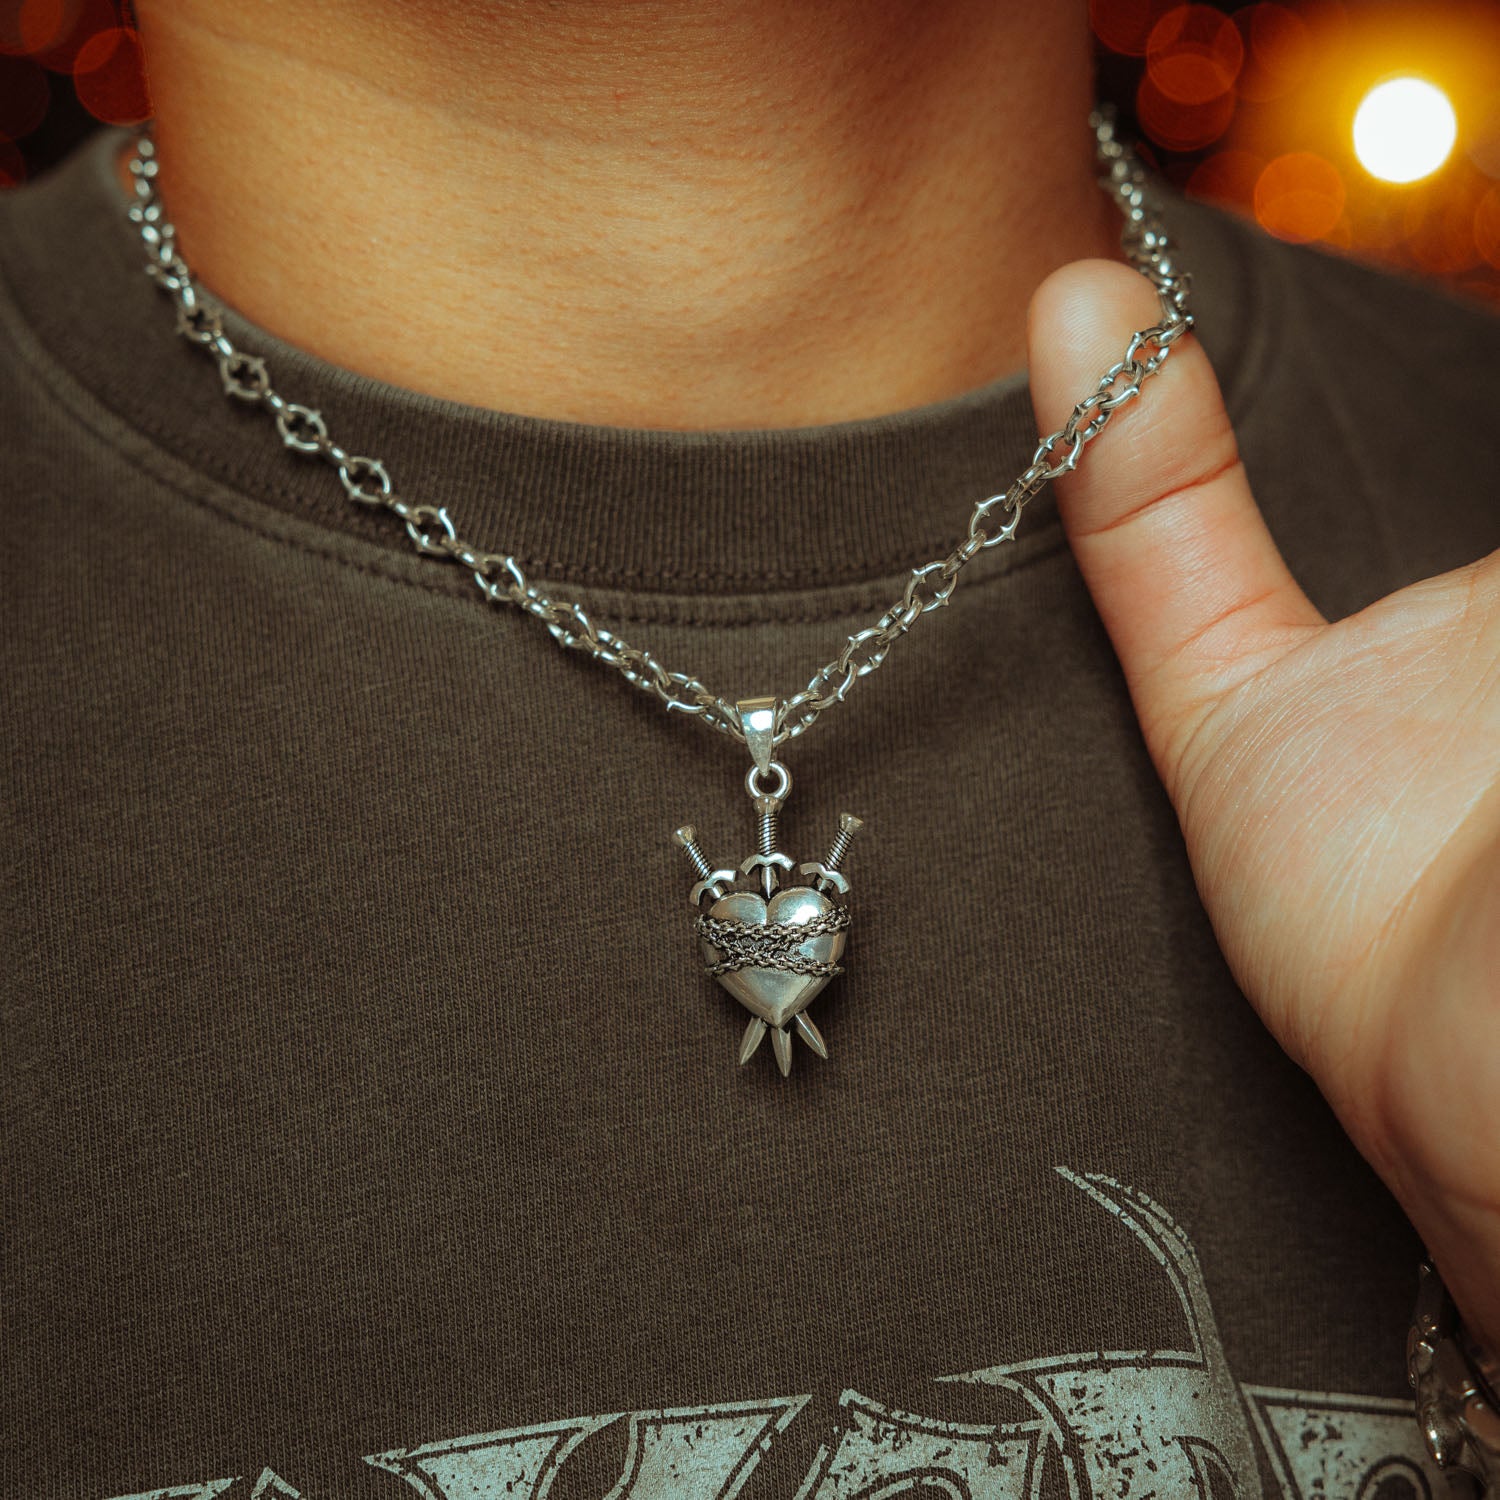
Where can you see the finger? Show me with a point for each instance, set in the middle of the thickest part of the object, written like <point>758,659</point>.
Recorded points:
<point>1159,513</point>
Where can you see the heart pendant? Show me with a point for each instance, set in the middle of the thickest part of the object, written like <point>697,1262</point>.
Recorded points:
<point>772,946</point>
<point>777,995</point>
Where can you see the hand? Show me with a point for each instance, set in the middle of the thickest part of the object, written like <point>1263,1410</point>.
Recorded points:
<point>1338,785</point>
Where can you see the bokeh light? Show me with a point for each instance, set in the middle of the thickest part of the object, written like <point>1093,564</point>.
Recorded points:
<point>1194,54</point>
<point>110,77</point>
<point>1440,232</point>
<point>1125,26</point>
<point>1263,123</point>
<point>1178,125</point>
<point>1226,177</point>
<point>1299,197</point>
<point>1482,128</point>
<point>53,31</point>
<point>32,26</point>
<point>1487,227</point>
<point>65,65</point>
<point>1249,104</point>
<point>1404,129</point>
<point>1278,52</point>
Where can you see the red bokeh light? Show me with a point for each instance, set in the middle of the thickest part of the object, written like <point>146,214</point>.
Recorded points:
<point>1124,26</point>
<point>1299,197</point>
<point>1487,227</point>
<point>31,26</point>
<point>1194,54</point>
<point>110,77</point>
<point>1227,177</point>
<point>54,30</point>
<point>1440,231</point>
<point>1177,126</point>
<point>1278,51</point>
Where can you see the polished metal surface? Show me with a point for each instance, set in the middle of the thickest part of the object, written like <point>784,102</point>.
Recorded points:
<point>811,1035</point>
<point>767,864</point>
<point>825,872</point>
<point>755,1034</point>
<point>849,825</point>
<point>758,725</point>
<point>1457,1407</point>
<point>500,577</point>
<point>782,782</point>
<point>711,882</point>
<point>765,971</point>
<point>762,951</point>
<point>783,1046</point>
<point>687,840</point>
<point>773,948</point>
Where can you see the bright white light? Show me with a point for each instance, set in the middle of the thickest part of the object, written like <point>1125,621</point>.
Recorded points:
<point>1404,129</point>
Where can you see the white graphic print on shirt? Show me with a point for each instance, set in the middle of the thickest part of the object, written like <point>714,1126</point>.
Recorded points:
<point>1118,1425</point>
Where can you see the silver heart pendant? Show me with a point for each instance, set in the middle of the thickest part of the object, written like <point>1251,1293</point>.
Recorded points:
<point>777,995</point>
<point>773,945</point>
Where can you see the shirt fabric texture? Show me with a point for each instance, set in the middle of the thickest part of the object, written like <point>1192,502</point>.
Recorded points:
<point>371,1128</point>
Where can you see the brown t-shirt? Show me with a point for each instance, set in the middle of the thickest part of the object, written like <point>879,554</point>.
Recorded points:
<point>371,1127</point>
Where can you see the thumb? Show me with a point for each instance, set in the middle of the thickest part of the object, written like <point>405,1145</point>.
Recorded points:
<point>1159,513</point>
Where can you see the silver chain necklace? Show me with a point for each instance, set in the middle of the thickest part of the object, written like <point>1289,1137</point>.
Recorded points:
<point>771,932</point>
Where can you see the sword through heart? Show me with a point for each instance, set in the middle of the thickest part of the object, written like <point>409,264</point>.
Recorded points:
<point>772,946</point>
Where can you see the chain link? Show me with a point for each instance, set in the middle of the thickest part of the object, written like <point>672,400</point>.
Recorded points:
<point>500,577</point>
<point>771,945</point>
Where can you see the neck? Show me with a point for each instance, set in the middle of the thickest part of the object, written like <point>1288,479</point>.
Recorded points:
<point>676,214</point>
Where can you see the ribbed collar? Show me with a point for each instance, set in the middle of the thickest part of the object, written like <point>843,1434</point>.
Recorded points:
<point>680,512</point>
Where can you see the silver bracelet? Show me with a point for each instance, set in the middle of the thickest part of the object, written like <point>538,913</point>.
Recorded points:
<point>1455,1383</point>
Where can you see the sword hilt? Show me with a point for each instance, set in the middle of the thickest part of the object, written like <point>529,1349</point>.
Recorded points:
<point>711,882</point>
<point>849,825</point>
<point>769,859</point>
<point>825,872</point>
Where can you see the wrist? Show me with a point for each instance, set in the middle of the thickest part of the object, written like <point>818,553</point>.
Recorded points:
<point>1435,1143</point>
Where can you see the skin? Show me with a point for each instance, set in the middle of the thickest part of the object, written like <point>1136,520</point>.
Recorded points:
<point>1338,786</point>
<point>764,213</point>
<point>662,213</point>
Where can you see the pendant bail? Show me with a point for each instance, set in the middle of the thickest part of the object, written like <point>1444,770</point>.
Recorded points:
<point>758,724</point>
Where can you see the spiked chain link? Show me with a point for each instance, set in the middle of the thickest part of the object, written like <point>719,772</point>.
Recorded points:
<point>500,577</point>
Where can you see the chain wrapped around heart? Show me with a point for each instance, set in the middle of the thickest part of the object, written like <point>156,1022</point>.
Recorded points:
<point>765,945</point>
<point>773,946</point>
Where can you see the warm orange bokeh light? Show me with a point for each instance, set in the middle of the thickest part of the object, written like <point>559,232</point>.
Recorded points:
<point>1299,197</point>
<point>1178,126</point>
<point>1227,177</point>
<point>1194,54</point>
<point>110,77</point>
<point>1278,51</point>
<point>1482,129</point>
<point>1487,227</point>
<point>1439,231</point>
<point>1444,244</point>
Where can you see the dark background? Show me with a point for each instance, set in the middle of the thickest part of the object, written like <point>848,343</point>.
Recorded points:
<point>1248,105</point>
